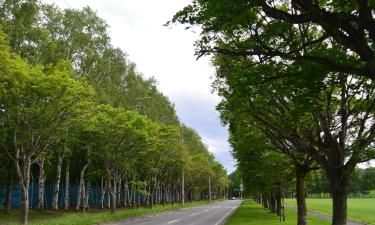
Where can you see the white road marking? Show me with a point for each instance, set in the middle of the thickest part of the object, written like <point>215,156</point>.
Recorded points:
<point>218,222</point>
<point>173,221</point>
<point>222,207</point>
<point>194,214</point>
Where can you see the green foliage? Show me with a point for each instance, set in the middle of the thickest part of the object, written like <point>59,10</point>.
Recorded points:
<point>287,31</point>
<point>35,104</point>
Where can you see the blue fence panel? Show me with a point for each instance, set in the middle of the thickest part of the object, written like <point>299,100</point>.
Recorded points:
<point>94,198</point>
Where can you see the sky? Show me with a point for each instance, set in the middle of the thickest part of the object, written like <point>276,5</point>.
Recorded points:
<point>166,53</point>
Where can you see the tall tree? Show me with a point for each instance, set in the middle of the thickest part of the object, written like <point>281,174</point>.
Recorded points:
<point>35,104</point>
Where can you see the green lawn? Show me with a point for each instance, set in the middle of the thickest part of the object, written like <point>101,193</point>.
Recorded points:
<point>251,213</point>
<point>88,218</point>
<point>359,209</point>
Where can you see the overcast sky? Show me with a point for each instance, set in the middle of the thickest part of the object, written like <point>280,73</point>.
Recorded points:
<point>136,26</point>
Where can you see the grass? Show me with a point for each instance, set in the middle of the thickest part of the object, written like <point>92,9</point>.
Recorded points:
<point>359,209</point>
<point>93,216</point>
<point>251,213</point>
<point>371,194</point>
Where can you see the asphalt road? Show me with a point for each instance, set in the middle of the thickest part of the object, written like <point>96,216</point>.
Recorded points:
<point>213,214</point>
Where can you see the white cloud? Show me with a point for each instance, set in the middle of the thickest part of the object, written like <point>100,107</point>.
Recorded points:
<point>216,146</point>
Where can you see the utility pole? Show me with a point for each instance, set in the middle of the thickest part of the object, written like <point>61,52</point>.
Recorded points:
<point>183,174</point>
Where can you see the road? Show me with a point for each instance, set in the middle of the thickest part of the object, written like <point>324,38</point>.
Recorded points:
<point>213,214</point>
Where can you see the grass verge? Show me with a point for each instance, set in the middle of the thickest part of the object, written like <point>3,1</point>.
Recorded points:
<point>251,213</point>
<point>359,209</point>
<point>93,216</point>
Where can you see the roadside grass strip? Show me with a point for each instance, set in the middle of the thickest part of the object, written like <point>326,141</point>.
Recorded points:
<point>251,213</point>
<point>359,209</point>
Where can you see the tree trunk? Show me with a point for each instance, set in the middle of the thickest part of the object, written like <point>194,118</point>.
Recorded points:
<point>24,205</point>
<point>87,196</point>
<point>171,195</point>
<point>209,189</point>
<point>83,195</point>
<point>113,202</point>
<point>163,197</point>
<point>300,195</point>
<point>67,176</point>
<point>269,202</point>
<point>57,185</point>
<point>151,197</point>
<point>265,201</point>
<point>278,203</point>
<point>338,182</point>
<point>118,198</point>
<point>134,196</point>
<point>8,194</point>
<point>103,187</point>
<point>126,194</point>
<point>273,203</point>
<point>23,165</point>
<point>109,200</point>
<point>112,192</point>
<point>41,183</point>
<point>339,200</point>
<point>81,186</point>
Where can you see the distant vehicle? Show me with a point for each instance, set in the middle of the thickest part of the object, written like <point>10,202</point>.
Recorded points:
<point>234,198</point>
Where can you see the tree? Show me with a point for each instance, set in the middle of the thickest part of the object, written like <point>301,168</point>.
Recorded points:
<point>293,30</point>
<point>265,169</point>
<point>35,104</point>
<point>275,109</point>
<point>328,118</point>
<point>122,135</point>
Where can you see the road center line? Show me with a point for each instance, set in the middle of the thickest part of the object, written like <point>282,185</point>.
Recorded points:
<point>173,221</point>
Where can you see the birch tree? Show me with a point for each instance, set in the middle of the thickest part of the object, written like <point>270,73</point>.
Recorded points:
<point>35,103</point>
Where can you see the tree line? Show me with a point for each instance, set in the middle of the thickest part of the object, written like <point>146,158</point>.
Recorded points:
<point>317,185</point>
<point>297,85</point>
<point>74,111</point>
<point>362,183</point>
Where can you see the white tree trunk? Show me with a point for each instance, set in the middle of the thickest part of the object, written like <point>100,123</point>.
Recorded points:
<point>57,185</point>
<point>41,183</point>
<point>102,192</point>
<point>83,194</point>
<point>67,176</point>
<point>113,194</point>
<point>127,194</point>
<point>118,198</point>
<point>134,196</point>
<point>23,165</point>
<point>81,186</point>
<point>87,195</point>
<point>108,198</point>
